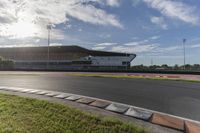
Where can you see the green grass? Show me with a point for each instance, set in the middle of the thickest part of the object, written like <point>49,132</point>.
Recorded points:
<point>25,115</point>
<point>128,77</point>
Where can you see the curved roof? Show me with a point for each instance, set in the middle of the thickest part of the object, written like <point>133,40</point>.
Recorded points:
<point>56,53</point>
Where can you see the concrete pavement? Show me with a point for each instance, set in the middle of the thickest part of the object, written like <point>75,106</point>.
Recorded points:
<point>173,97</point>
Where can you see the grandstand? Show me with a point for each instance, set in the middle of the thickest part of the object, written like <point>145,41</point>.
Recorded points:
<point>65,57</point>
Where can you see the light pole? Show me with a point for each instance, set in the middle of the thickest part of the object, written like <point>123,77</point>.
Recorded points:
<point>151,56</point>
<point>184,41</point>
<point>151,61</point>
<point>49,27</point>
<point>126,62</point>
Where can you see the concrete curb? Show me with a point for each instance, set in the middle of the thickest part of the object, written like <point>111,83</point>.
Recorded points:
<point>155,117</point>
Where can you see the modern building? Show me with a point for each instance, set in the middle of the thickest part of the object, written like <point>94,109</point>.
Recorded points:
<point>65,57</point>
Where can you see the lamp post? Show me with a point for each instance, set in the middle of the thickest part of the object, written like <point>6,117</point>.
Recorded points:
<point>184,41</point>
<point>126,63</point>
<point>49,27</point>
<point>152,56</point>
<point>151,61</point>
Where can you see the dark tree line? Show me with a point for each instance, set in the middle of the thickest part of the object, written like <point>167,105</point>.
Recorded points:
<point>6,64</point>
<point>195,67</point>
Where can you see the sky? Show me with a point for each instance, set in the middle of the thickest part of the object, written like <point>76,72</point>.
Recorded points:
<point>152,29</point>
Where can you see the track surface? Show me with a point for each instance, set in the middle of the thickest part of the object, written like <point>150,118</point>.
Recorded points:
<point>173,97</point>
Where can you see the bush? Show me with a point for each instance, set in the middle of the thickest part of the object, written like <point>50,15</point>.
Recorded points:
<point>6,64</point>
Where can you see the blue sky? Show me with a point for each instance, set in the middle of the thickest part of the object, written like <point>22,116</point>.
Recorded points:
<point>153,29</point>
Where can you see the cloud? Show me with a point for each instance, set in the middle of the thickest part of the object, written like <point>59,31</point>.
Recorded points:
<point>28,18</point>
<point>103,46</point>
<point>135,2</point>
<point>80,29</point>
<point>136,43</point>
<point>159,21</point>
<point>37,40</point>
<point>133,49</point>
<point>135,38</point>
<point>144,27</point>
<point>154,37</point>
<point>99,48</point>
<point>17,45</point>
<point>175,10</point>
<point>90,14</point>
<point>56,44</point>
<point>106,44</point>
<point>154,50</point>
<point>146,47</point>
<point>171,50</point>
<point>29,45</point>
<point>104,35</point>
<point>113,3</point>
<point>194,46</point>
<point>68,26</point>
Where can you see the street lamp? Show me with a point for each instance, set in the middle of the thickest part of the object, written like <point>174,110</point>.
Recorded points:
<point>151,61</point>
<point>184,41</point>
<point>126,62</point>
<point>151,55</point>
<point>49,27</point>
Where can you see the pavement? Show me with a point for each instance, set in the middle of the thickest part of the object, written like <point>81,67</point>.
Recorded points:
<point>173,97</point>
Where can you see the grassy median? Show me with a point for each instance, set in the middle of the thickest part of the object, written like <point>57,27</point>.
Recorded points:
<point>127,77</point>
<point>25,115</point>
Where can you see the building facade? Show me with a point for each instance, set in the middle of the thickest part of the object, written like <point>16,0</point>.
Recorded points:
<point>65,58</point>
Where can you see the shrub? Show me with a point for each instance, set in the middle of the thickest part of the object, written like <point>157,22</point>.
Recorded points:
<point>6,64</point>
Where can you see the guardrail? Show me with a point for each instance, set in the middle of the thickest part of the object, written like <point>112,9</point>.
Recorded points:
<point>107,71</point>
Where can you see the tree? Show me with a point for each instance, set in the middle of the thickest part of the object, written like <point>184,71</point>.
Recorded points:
<point>6,64</point>
<point>165,66</point>
<point>176,67</point>
<point>187,66</point>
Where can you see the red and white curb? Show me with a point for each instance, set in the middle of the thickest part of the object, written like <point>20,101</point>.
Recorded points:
<point>155,117</point>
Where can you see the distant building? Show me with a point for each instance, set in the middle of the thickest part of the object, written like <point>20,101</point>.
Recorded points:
<point>66,57</point>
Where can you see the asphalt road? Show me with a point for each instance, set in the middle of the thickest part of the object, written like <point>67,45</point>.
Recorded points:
<point>173,97</point>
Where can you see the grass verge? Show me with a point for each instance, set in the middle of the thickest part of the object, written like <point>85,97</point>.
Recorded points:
<point>129,77</point>
<point>26,115</point>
